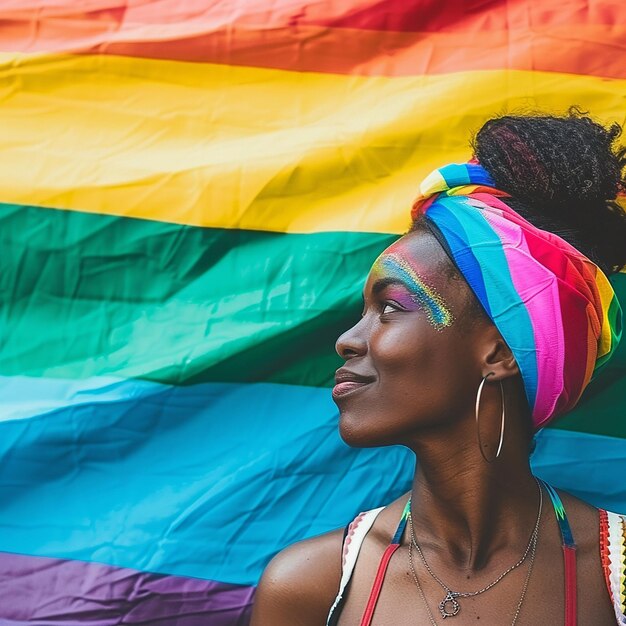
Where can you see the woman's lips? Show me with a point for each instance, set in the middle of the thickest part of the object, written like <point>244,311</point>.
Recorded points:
<point>344,388</point>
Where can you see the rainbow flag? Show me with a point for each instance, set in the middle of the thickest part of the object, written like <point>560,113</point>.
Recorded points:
<point>191,196</point>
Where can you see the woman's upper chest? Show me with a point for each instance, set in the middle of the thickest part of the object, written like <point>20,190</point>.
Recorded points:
<point>536,595</point>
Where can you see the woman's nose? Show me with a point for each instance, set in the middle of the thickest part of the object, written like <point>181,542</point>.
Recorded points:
<point>352,342</point>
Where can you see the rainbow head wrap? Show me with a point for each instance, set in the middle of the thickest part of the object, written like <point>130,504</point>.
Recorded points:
<point>555,308</point>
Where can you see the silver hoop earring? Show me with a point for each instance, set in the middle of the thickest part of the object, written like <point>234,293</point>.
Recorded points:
<point>480,443</point>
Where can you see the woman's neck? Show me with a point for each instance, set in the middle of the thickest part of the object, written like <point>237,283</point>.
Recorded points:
<point>468,507</point>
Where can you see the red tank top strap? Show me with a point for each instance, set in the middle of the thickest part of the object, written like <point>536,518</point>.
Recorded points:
<point>366,620</point>
<point>569,561</point>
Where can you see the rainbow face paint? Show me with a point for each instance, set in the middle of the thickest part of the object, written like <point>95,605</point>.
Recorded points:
<point>411,291</point>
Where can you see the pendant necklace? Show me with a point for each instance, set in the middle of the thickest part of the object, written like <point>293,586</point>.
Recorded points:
<point>450,605</point>
<point>431,618</point>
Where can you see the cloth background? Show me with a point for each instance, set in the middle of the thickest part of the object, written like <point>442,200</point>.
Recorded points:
<point>191,196</point>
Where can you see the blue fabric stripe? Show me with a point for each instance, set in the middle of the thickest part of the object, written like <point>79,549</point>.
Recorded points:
<point>590,467</point>
<point>211,480</point>
<point>478,253</point>
<point>457,175</point>
<point>207,481</point>
<point>25,396</point>
<point>452,231</point>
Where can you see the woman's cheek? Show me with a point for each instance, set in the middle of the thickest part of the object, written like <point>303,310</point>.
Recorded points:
<point>403,346</point>
<point>388,338</point>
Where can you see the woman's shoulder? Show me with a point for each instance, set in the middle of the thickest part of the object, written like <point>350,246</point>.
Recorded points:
<point>299,584</point>
<point>586,519</point>
<point>587,522</point>
<point>600,533</point>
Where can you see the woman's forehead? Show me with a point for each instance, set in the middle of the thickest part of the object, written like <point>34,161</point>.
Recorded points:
<point>420,250</point>
<point>423,257</point>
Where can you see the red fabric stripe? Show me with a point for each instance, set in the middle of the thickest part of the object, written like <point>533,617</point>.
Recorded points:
<point>423,16</point>
<point>485,16</point>
<point>366,620</point>
<point>569,557</point>
<point>580,347</point>
<point>574,297</point>
<point>384,38</point>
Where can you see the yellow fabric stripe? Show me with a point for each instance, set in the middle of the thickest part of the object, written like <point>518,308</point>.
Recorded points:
<point>177,141</point>
<point>607,294</point>
<point>433,183</point>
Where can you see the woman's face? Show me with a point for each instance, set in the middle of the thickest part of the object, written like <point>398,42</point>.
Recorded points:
<point>410,360</point>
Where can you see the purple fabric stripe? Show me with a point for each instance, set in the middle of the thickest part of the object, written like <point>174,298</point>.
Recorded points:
<point>44,592</point>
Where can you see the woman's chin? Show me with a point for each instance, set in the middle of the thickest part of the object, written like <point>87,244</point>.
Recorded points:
<point>358,432</point>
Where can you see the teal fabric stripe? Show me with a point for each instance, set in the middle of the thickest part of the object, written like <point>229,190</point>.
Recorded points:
<point>23,396</point>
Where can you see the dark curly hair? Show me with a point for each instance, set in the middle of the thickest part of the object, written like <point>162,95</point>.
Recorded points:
<point>564,174</point>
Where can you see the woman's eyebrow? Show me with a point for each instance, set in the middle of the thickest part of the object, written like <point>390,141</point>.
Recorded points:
<point>381,283</point>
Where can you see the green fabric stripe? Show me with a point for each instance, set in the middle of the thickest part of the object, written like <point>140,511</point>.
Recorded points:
<point>86,294</point>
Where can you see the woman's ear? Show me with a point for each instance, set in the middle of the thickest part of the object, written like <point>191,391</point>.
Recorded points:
<point>497,357</point>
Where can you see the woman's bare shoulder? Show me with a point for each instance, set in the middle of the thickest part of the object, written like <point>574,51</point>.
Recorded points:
<point>300,583</point>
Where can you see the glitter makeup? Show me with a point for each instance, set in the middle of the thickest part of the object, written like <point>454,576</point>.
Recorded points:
<point>419,294</point>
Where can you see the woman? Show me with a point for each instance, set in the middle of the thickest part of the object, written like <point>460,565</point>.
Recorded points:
<point>480,325</point>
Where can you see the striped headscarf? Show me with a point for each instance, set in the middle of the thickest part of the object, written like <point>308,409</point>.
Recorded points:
<point>554,307</point>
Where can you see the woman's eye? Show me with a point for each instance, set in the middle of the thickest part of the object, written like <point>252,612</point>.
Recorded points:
<point>389,307</point>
